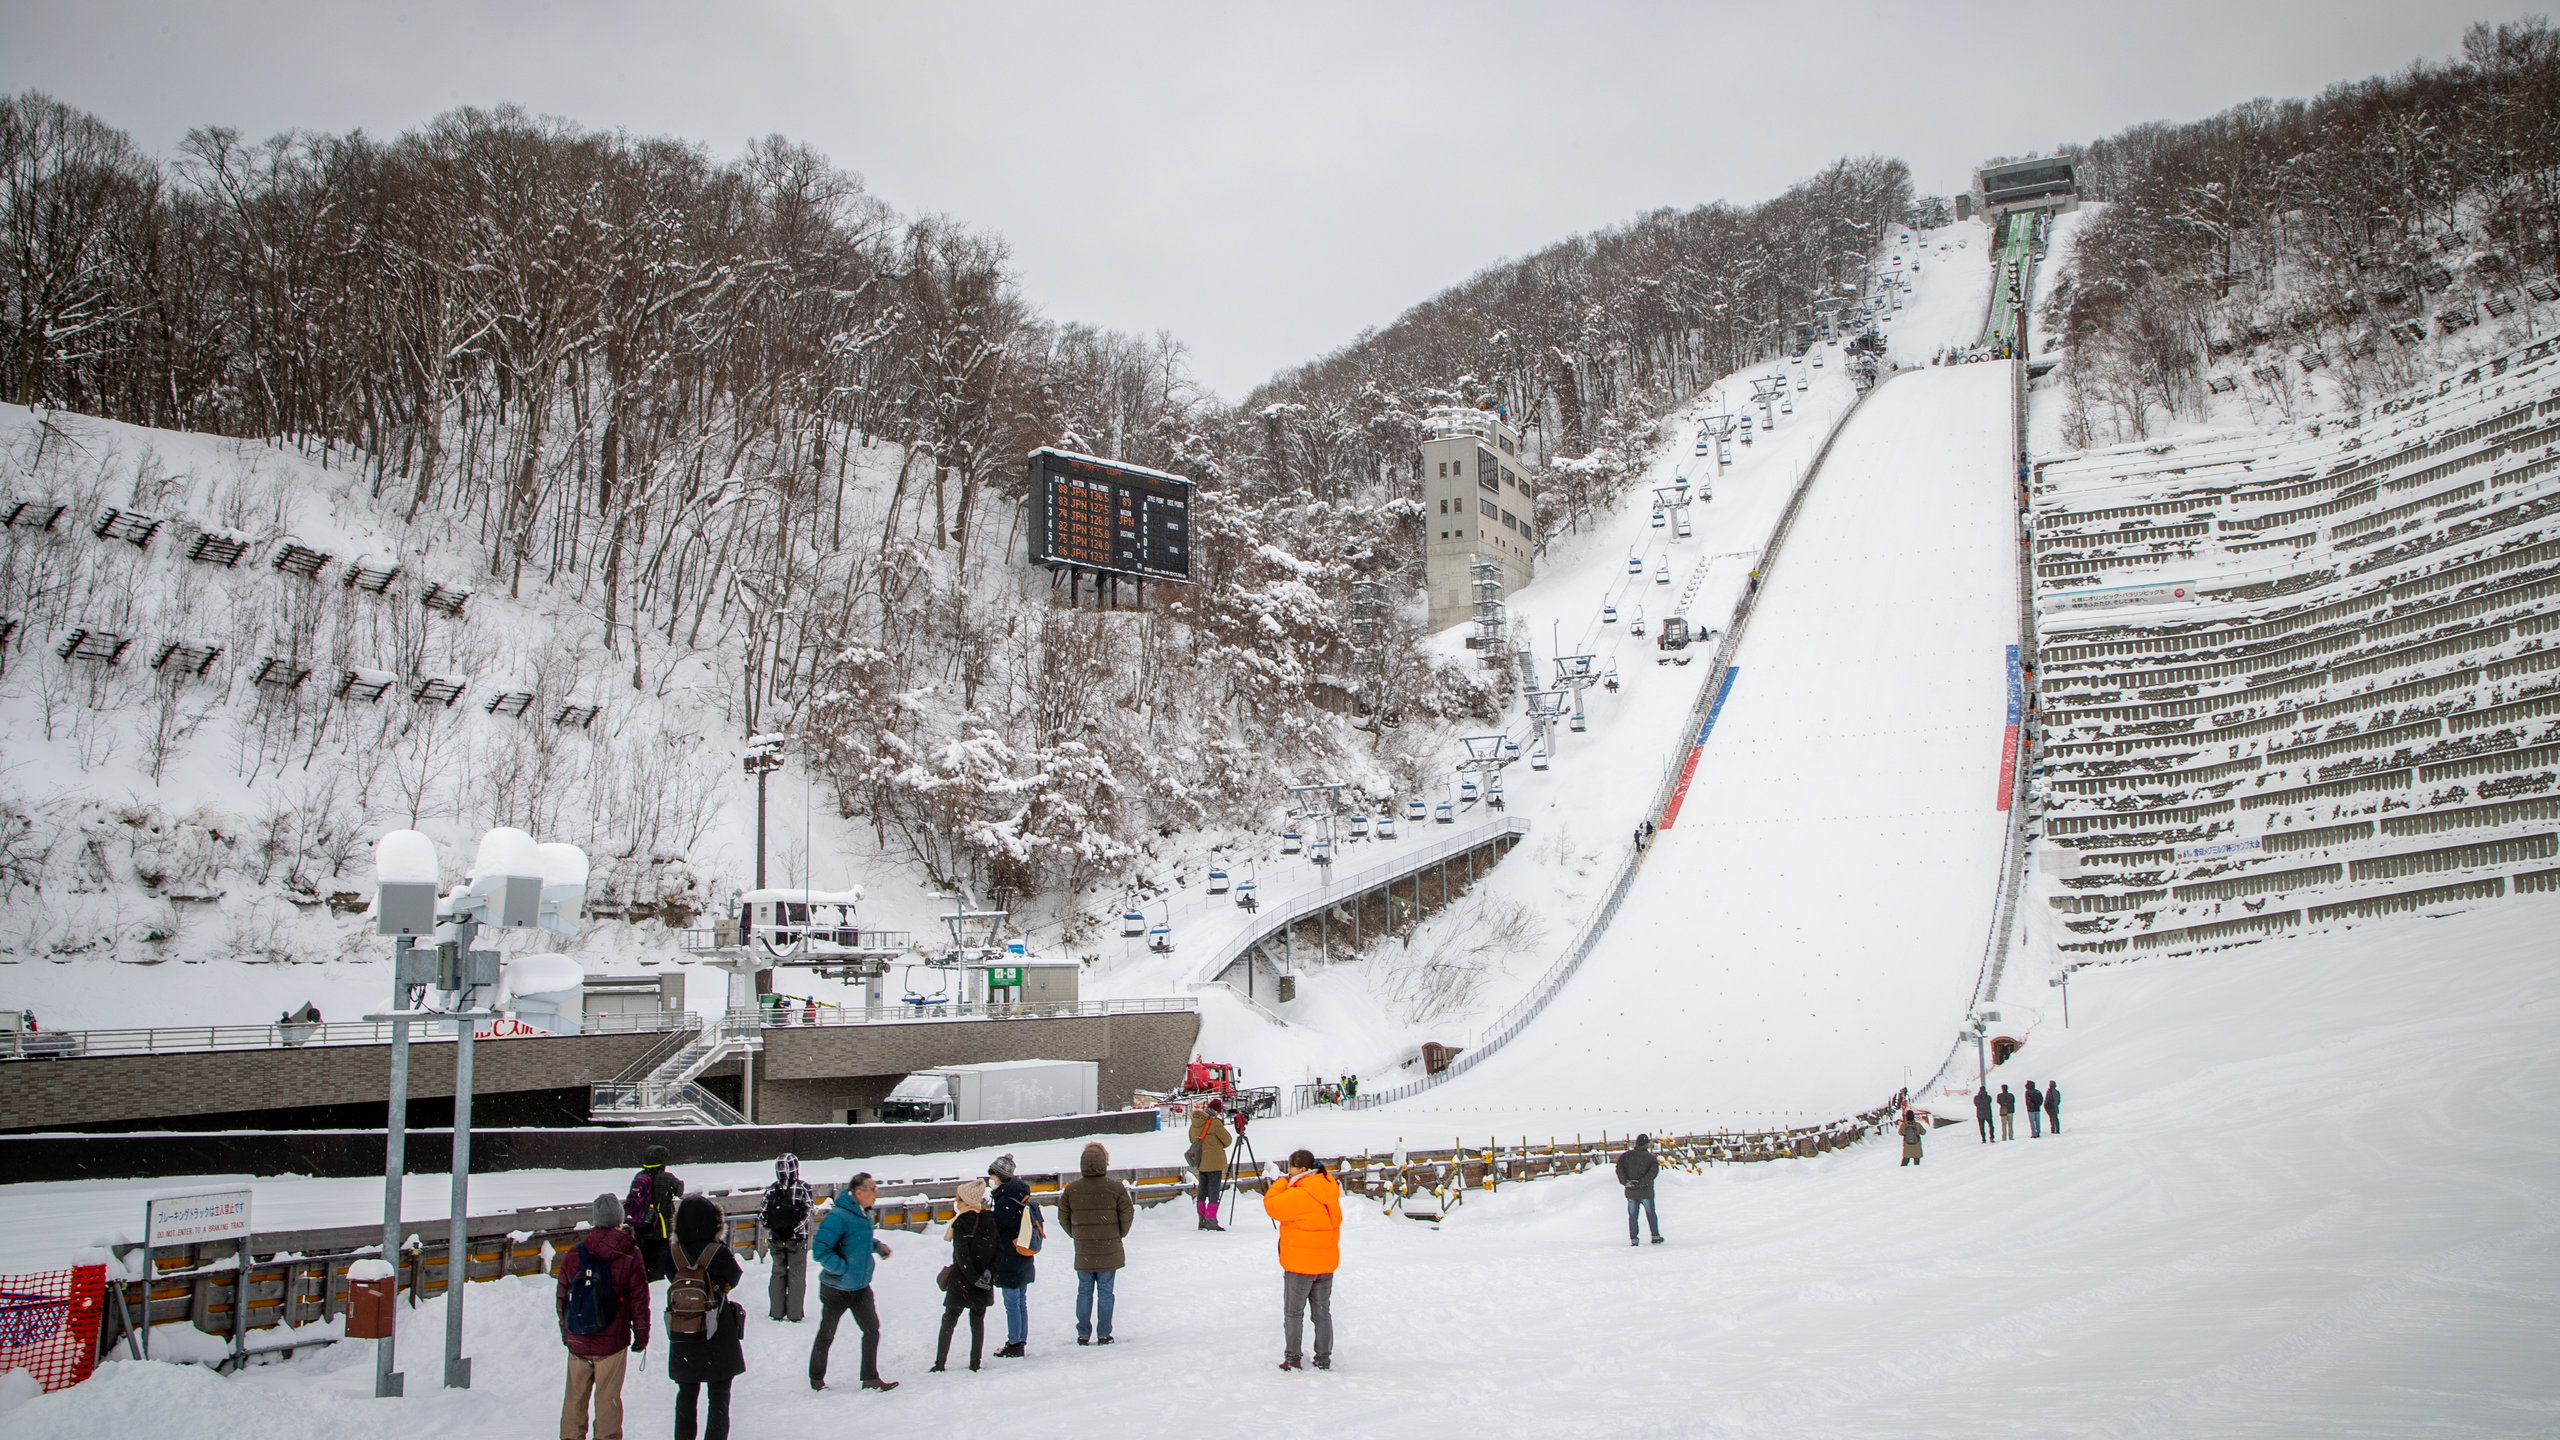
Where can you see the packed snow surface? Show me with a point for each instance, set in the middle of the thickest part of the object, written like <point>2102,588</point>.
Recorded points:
<point>2302,1188</point>
<point>1805,937</point>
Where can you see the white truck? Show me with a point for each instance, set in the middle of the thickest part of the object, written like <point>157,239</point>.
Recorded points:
<point>997,1090</point>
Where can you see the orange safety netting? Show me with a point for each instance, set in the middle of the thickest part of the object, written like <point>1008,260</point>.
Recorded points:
<point>49,1323</point>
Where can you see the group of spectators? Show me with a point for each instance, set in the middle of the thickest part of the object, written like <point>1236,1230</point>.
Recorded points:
<point>656,1235</point>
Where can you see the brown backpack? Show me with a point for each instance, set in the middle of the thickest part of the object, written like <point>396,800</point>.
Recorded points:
<point>693,1302</point>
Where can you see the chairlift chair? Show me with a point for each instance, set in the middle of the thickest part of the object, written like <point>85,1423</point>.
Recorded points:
<point>1538,758</point>
<point>1160,937</point>
<point>1511,748</point>
<point>1245,896</point>
<point>1467,790</point>
<point>1291,842</point>
<point>1802,383</point>
<point>1817,359</point>
<point>1610,680</point>
<point>1575,724</point>
<point>1321,851</point>
<point>1217,882</point>
<point>1444,814</point>
<point>1132,924</point>
<point>1787,406</point>
<point>1635,563</point>
<point>1657,520</point>
<point>1386,827</point>
<point>1635,627</point>
<point>1662,573</point>
<point>1359,827</point>
<point>1609,614</point>
<point>1413,810</point>
<point>1682,531</point>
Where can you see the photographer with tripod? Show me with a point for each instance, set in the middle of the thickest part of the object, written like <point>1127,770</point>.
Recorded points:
<point>1208,1156</point>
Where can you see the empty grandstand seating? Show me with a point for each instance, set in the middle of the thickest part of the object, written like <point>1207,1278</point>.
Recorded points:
<point>2295,681</point>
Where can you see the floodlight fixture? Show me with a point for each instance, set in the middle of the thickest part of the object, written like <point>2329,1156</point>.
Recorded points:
<point>406,885</point>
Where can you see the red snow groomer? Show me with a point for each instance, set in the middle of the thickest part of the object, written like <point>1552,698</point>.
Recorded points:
<point>1206,1079</point>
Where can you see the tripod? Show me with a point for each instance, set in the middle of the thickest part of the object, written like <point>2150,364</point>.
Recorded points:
<point>1238,1156</point>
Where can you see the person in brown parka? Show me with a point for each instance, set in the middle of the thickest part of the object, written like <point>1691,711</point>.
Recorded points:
<point>1209,1141</point>
<point>1096,1211</point>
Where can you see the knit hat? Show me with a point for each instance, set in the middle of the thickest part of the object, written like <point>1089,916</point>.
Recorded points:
<point>786,1167</point>
<point>972,1195</point>
<point>654,1155</point>
<point>606,1213</point>
<point>1001,1167</point>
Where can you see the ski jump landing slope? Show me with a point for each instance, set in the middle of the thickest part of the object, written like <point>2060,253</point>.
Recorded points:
<point>1807,935</point>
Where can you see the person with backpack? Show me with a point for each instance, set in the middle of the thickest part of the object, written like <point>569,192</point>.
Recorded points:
<point>602,1303</point>
<point>1096,1212</point>
<point>1912,1130</point>
<point>650,1208</point>
<point>789,1206</point>
<point>2053,1105</point>
<point>706,1330</point>
<point>844,1248</point>
<point>1306,1203</point>
<point>1208,1157</point>
<point>2035,1112</point>
<point>1019,1229</point>
<point>969,1281</point>
<point>2008,1114</point>
<point>1636,1171</point>
<point>1982,1113</point>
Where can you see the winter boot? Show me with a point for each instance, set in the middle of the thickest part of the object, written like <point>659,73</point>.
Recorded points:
<point>1291,1364</point>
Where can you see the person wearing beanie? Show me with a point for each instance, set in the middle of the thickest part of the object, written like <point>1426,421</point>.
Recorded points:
<point>790,1208</point>
<point>1306,1203</point>
<point>1209,1140</point>
<point>968,1283</point>
<point>601,1301</point>
<point>706,1346</point>
<point>1096,1212</point>
<point>650,1208</point>
<point>1019,1229</point>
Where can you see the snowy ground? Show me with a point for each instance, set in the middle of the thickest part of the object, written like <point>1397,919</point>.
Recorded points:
<point>2304,1189</point>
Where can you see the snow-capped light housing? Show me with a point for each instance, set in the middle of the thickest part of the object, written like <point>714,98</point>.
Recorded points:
<point>406,884</point>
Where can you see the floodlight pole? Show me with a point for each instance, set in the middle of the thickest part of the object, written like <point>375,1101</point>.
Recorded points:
<point>387,1380</point>
<point>457,1244</point>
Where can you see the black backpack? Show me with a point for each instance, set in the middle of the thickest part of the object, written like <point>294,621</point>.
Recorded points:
<point>784,1212</point>
<point>592,1302</point>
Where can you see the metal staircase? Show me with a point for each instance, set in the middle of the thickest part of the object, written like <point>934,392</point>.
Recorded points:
<point>660,1088</point>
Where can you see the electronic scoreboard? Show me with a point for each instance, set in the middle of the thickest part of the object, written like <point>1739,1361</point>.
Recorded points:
<point>1108,517</point>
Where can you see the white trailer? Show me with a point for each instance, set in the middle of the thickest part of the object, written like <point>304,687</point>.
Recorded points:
<point>998,1090</point>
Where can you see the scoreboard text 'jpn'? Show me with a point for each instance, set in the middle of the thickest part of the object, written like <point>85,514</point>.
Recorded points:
<point>1101,515</point>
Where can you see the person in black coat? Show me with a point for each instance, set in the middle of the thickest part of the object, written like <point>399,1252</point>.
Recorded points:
<point>1982,1113</point>
<point>2035,1111</point>
<point>1013,1269</point>
<point>2053,1105</point>
<point>706,1362</point>
<point>969,1285</point>
<point>1636,1171</point>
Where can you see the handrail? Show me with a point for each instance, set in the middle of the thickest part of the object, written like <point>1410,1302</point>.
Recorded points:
<point>1586,938</point>
<point>900,1013</point>
<point>188,1039</point>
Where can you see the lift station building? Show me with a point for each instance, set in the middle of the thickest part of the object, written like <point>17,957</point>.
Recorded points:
<point>1479,507</point>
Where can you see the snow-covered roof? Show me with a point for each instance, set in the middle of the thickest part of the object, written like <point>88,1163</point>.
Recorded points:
<point>797,896</point>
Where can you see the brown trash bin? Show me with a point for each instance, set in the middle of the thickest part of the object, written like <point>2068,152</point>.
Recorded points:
<point>370,1300</point>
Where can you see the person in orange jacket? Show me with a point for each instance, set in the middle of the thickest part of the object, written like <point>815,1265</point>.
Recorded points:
<point>1307,1205</point>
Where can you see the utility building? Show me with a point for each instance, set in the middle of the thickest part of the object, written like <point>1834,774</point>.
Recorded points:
<point>1479,507</point>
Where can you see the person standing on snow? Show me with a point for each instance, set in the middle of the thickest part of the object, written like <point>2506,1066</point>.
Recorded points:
<point>2035,1111</point>
<point>2053,1104</point>
<point>1912,1130</point>
<point>706,1330</point>
<point>2008,1114</point>
<point>789,1206</point>
<point>650,1208</point>
<point>1307,1205</point>
<point>1982,1113</point>
<point>602,1302</point>
<point>1209,1140</point>
<point>1018,1232</point>
<point>845,1248</point>
<point>969,1284</point>
<point>1636,1169</point>
<point>1096,1212</point>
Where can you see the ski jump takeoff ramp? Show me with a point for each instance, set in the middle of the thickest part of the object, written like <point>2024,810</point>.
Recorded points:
<point>1805,937</point>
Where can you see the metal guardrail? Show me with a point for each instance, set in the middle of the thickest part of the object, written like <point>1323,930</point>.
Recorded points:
<point>190,1039</point>
<point>1508,1026</point>
<point>791,1017</point>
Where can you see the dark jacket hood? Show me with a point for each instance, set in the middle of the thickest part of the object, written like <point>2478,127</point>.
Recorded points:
<point>1095,1164</point>
<point>697,1220</point>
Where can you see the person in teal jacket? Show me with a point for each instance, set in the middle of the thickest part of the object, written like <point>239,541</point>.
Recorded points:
<point>844,1249</point>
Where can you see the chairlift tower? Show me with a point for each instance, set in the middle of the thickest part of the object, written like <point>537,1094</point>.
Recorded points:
<point>1314,806</point>
<point>1673,501</point>
<point>1577,673</point>
<point>976,935</point>
<point>1546,707</point>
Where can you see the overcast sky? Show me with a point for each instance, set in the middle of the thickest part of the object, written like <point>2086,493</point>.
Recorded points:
<point>1264,181</point>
